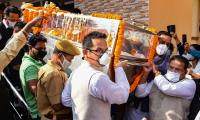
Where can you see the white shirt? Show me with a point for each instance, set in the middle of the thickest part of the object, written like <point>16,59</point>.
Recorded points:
<point>197,68</point>
<point>101,86</point>
<point>5,23</point>
<point>198,116</point>
<point>184,88</point>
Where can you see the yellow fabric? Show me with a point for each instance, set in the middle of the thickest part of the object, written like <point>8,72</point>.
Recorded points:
<point>12,49</point>
<point>67,47</point>
<point>51,81</point>
<point>26,5</point>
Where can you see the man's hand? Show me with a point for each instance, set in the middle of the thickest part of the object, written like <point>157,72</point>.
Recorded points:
<point>29,25</point>
<point>155,70</point>
<point>174,35</point>
<point>123,63</point>
<point>147,68</point>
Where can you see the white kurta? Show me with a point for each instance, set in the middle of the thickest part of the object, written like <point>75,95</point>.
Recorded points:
<point>168,101</point>
<point>198,116</point>
<point>90,90</point>
<point>184,88</point>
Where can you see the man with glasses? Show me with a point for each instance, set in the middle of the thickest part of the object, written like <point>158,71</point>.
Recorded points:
<point>31,62</point>
<point>89,91</point>
<point>171,94</point>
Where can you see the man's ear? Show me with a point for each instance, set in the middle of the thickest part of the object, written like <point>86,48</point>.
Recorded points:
<point>85,51</point>
<point>59,55</point>
<point>30,47</point>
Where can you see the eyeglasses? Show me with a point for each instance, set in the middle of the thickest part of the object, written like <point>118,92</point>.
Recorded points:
<point>98,50</point>
<point>40,49</point>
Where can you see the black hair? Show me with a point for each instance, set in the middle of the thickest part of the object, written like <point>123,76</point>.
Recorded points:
<point>20,24</point>
<point>196,46</point>
<point>11,9</point>
<point>171,47</point>
<point>75,11</point>
<point>34,39</point>
<point>87,41</point>
<point>164,33</point>
<point>57,51</point>
<point>180,59</point>
<point>2,6</point>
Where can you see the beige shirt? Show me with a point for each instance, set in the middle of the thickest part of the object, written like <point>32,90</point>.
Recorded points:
<point>51,81</point>
<point>11,50</point>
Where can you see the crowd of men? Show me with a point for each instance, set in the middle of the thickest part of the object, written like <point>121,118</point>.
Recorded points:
<point>168,89</point>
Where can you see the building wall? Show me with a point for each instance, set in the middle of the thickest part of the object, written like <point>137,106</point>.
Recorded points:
<point>130,9</point>
<point>183,13</point>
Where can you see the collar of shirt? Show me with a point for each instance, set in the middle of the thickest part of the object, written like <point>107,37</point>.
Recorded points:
<point>54,65</point>
<point>197,68</point>
<point>87,64</point>
<point>26,56</point>
<point>5,23</point>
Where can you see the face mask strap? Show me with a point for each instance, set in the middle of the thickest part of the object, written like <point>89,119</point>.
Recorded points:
<point>169,80</point>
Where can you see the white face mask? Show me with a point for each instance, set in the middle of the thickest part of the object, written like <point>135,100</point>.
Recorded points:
<point>161,49</point>
<point>11,24</point>
<point>104,59</point>
<point>65,64</point>
<point>104,69</point>
<point>172,76</point>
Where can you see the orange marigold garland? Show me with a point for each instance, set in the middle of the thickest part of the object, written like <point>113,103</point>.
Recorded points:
<point>108,15</point>
<point>152,51</point>
<point>120,39</point>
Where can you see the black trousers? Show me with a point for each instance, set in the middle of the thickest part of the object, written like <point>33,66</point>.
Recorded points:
<point>5,108</point>
<point>195,104</point>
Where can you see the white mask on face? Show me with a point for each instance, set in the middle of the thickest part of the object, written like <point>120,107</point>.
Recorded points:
<point>161,49</point>
<point>104,59</point>
<point>172,76</point>
<point>65,64</point>
<point>11,24</point>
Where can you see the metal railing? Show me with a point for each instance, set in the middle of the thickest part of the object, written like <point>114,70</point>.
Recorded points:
<point>17,94</point>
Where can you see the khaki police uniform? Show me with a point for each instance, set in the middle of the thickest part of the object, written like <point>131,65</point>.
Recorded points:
<point>51,82</point>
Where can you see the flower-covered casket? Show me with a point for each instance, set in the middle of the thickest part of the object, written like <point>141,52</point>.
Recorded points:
<point>125,42</point>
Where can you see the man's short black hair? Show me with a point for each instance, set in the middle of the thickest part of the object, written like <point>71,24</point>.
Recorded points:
<point>180,59</point>
<point>20,24</point>
<point>57,51</point>
<point>87,42</point>
<point>11,9</point>
<point>164,33</point>
<point>75,11</point>
<point>34,39</point>
<point>2,6</point>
